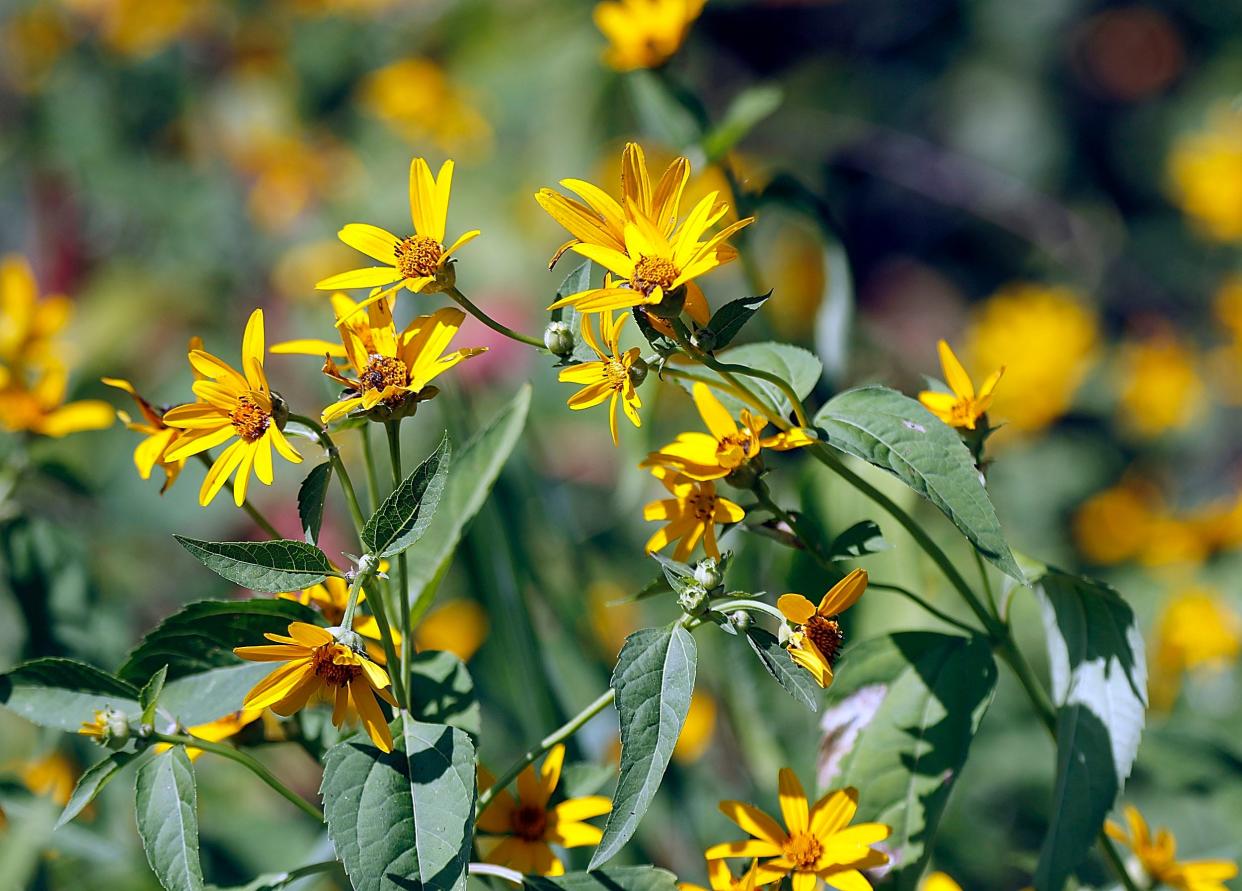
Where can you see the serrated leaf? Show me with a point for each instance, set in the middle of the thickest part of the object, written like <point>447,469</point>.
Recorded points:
<point>208,695</point>
<point>776,661</point>
<point>654,681</point>
<point>165,801</point>
<point>859,540</point>
<point>613,878</point>
<point>311,496</point>
<point>932,691</point>
<point>897,434</point>
<point>1099,688</point>
<point>407,512</point>
<point>403,819</point>
<point>64,694</point>
<point>442,691</point>
<point>91,783</point>
<point>799,368</point>
<point>728,321</point>
<point>744,113</point>
<point>149,697</point>
<point>272,567</point>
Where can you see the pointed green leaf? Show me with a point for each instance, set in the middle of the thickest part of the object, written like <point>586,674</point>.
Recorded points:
<point>859,540</point>
<point>149,698</point>
<point>728,321</point>
<point>776,661</point>
<point>406,513</point>
<point>165,802</point>
<point>272,567</point>
<point>442,691</point>
<point>64,694</point>
<point>91,783</point>
<point>311,496</point>
<point>614,878</point>
<point>792,364</point>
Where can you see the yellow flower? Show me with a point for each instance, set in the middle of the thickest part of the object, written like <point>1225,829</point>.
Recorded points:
<point>1205,174</point>
<point>40,408</point>
<point>962,407</point>
<point>816,643</point>
<point>1196,630</point>
<point>608,378</point>
<point>416,99</point>
<point>1161,389</point>
<point>1046,340</point>
<point>330,597</point>
<point>53,775</point>
<point>28,323</point>
<point>691,514</point>
<point>139,29</point>
<point>1116,524</point>
<point>714,455</point>
<point>721,878</point>
<point>698,728</point>
<point>458,627</point>
<point>231,405</point>
<point>644,33</point>
<point>316,665</point>
<point>217,730</point>
<point>530,825</point>
<point>816,843</point>
<point>417,261</point>
<point>939,881</point>
<point>158,436</point>
<point>1158,857</point>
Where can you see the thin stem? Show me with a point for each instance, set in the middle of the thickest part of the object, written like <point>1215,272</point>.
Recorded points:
<point>916,599</point>
<point>987,585</point>
<point>380,612</point>
<point>355,588</point>
<point>403,601</point>
<point>764,496</point>
<point>342,475</point>
<point>465,303</point>
<point>252,764</point>
<point>780,382</point>
<point>368,456</point>
<point>1115,861</point>
<point>254,512</point>
<point>560,734</point>
<point>744,395</point>
<point>749,606</point>
<point>499,872</point>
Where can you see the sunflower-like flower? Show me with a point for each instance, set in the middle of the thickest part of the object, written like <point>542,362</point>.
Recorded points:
<point>691,514</point>
<point>610,378</point>
<point>816,843</point>
<point>157,436</point>
<point>523,829</point>
<point>1158,857</point>
<point>40,407</point>
<point>419,262</point>
<point>30,322</point>
<point>816,641</point>
<point>962,407</point>
<point>330,597</point>
<point>644,33</point>
<point>721,878</point>
<point>231,406</point>
<point>316,664</point>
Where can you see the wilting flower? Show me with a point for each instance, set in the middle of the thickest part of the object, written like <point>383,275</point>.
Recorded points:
<point>816,843</point>
<point>1205,173</point>
<point>962,407</point>
<point>1196,631</point>
<point>611,377</point>
<point>644,33</point>
<point>691,514</point>
<point>721,878</point>
<point>816,641</point>
<point>157,436</point>
<point>214,731</point>
<point>1161,389</point>
<point>41,408</point>
<point>416,99</point>
<point>416,261</point>
<point>529,824</point>
<point>1158,857</point>
<point>316,664</point>
<point>716,454</point>
<point>231,405</point>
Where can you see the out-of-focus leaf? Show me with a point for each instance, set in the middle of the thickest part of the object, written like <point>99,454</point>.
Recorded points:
<point>776,661</point>
<point>409,509</point>
<point>64,694</point>
<point>442,691</point>
<point>834,321</point>
<point>91,783</point>
<point>795,365</point>
<point>209,695</point>
<point>746,110</point>
<point>859,540</point>
<point>660,113</point>
<point>613,878</point>
<point>165,802</point>
<point>311,496</point>
<point>727,322</point>
<point>272,567</point>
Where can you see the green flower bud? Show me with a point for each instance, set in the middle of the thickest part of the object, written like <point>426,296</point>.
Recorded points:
<point>558,337</point>
<point>740,619</point>
<point>638,372</point>
<point>693,600</point>
<point>707,573</point>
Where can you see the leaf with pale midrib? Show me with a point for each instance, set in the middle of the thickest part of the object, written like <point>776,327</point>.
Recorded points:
<point>776,661</point>
<point>165,800</point>
<point>272,567</point>
<point>311,497</point>
<point>64,694</point>
<point>407,512</point>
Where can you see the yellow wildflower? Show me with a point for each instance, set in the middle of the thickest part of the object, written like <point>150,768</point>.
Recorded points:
<point>816,642</point>
<point>214,731</point>
<point>1205,175</point>
<point>721,878</point>
<point>644,33</point>
<point>231,405</point>
<point>523,829</point>
<point>1158,857</point>
<point>139,29</point>
<point>330,597</point>
<point>611,377</point>
<point>939,881</point>
<point>698,728</point>
<point>458,627</point>
<point>158,436</point>
<point>1161,389</point>
<point>317,665</point>
<point>1115,524</point>
<point>40,408</point>
<point>32,41</point>
<point>816,843</point>
<point>1197,630</point>
<point>54,775</point>
<point>416,99</point>
<point>29,322</point>
<point>691,514</point>
<point>962,407</point>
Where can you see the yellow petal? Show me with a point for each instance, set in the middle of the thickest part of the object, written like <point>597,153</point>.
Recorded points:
<point>796,608</point>
<point>793,802</point>
<point>844,593</point>
<point>954,374</point>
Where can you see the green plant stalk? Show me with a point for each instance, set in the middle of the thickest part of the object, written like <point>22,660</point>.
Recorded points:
<point>987,585</point>
<point>254,512</point>
<point>250,763</point>
<point>380,612</point>
<point>921,602</point>
<point>342,475</point>
<point>355,588</point>
<point>368,457</point>
<point>393,429</point>
<point>465,303</point>
<point>750,606</point>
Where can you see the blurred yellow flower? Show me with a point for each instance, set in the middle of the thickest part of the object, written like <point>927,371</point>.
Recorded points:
<point>520,831</point>
<point>816,640</point>
<point>41,407</point>
<point>612,616</point>
<point>939,881</point>
<point>691,514</point>
<point>1115,524</point>
<point>961,407</point>
<point>28,323</point>
<point>459,627</point>
<point>137,28</point>
<point>288,172</point>
<point>1197,630</point>
<point>1046,340</point>
<point>217,730</point>
<point>416,99</point>
<point>721,878</point>
<point>1205,175</point>
<point>698,729</point>
<point>31,42</point>
<point>610,378</point>
<point>1160,386</point>
<point>157,436</point>
<point>644,33</point>
<point>1227,306</point>
<point>53,775</point>
<point>1158,857</point>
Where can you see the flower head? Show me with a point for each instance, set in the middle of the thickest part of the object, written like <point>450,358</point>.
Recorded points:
<point>317,665</point>
<point>30,322</point>
<point>816,843</point>
<point>1161,388</point>
<point>1205,174</point>
<point>1157,855</point>
<point>609,378</point>
<point>644,33</point>
<point>157,436</point>
<point>962,407</point>
<point>459,627</point>
<point>1196,631</point>
<point>330,597</point>
<point>691,514</point>
<point>231,406</point>
<point>40,407</point>
<point>524,828</point>
<point>721,878</point>
<point>817,640</point>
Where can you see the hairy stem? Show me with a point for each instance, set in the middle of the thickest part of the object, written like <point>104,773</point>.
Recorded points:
<point>403,586</point>
<point>465,303</point>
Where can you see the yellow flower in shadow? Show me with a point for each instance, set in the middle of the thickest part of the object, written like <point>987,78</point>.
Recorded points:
<point>459,627</point>
<point>157,436</point>
<point>691,514</point>
<point>1157,855</point>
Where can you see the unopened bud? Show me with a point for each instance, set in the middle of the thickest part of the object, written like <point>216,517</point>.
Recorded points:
<point>740,619</point>
<point>638,371</point>
<point>707,573</point>
<point>280,410</point>
<point>704,339</point>
<point>693,600</point>
<point>670,306</point>
<point>558,337</point>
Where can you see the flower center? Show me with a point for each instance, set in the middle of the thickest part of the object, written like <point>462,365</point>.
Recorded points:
<point>734,449</point>
<point>331,672</point>
<point>616,374</point>
<point>418,256</point>
<point>383,372</point>
<point>529,822</point>
<point>249,419</point>
<point>827,636</point>
<point>702,505</point>
<point>651,273</point>
<point>802,850</point>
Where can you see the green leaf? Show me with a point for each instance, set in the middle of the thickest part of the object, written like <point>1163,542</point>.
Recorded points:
<point>407,512</point>
<point>403,819</point>
<point>614,878</point>
<point>64,694</point>
<point>1099,688</point>
<point>201,635</point>
<point>660,113</point>
<point>311,496</point>
<point>859,540</point>
<point>165,801</point>
<point>204,697</point>
<point>442,691</point>
<point>654,680</point>
<point>795,365</point>
<point>905,710</point>
<point>474,473</point>
<point>272,567</point>
<point>746,110</point>
<point>728,321</point>
<point>895,433</point>
<point>150,695</point>
<point>91,783</point>
<point>577,281</point>
<point>776,661</point>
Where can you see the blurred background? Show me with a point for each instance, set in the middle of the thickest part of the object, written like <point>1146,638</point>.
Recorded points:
<point>1054,187</point>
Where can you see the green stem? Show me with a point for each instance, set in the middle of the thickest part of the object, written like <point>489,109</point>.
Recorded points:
<point>750,606</point>
<point>916,599</point>
<point>254,512</point>
<point>403,602</point>
<point>252,764</point>
<point>380,612</point>
<point>355,588</point>
<point>764,496</point>
<point>1115,861</point>
<point>742,394</point>
<point>342,475</point>
<point>368,456</point>
<point>465,303</point>
<point>987,585</point>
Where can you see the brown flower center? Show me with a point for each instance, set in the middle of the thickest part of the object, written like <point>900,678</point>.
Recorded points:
<point>702,505</point>
<point>383,372</point>
<point>249,419</point>
<point>616,374</point>
<point>802,850</point>
<point>418,256</point>
<point>328,670</point>
<point>529,822</point>
<point>653,272</point>
<point>734,448</point>
<point>827,636</point>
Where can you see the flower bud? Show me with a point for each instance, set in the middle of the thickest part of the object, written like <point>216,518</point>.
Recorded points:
<point>446,279</point>
<point>638,371</point>
<point>704,339</point>
<point>740,619</point>
<point>745,476</point>
<point>558,338</point>
<point>280,410</point>
<point>693,600</point>
<point>707,573</point>
<point>348,638</point>
<point>671,306</point>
